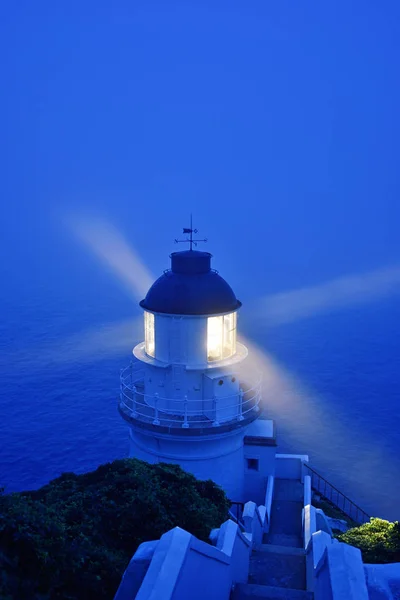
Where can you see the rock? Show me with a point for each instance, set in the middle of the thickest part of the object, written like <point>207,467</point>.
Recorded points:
<point>339,524</point>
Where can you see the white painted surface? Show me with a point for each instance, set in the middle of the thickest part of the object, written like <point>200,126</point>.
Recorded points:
<point>136,570</point>
<point>256,480</point>
<point>216,457</point>
<point>253,523</point>
<point>264,517</point>
<point>383,581</point>
<point>307,490</point>
<point>290,466</point>
<point>237,546</point>
<point>263,428</point>
<point>310,524</point>
<point>346,573</point>
<point>180,561</point>
<point>268,499</point>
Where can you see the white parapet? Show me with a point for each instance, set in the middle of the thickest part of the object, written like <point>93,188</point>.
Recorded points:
<point>290,466</point>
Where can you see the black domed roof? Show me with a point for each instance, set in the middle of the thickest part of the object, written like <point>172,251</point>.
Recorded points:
<point>190,287</point>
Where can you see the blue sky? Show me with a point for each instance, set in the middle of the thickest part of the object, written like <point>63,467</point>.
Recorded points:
<point>275,123</point>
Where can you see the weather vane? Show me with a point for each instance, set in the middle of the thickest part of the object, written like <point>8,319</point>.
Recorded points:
<point>191,231</point>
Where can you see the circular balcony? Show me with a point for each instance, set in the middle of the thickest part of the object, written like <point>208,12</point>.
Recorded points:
<point>185,416</point>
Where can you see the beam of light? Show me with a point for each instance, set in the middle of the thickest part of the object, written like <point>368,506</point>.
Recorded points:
<point>343,292</point>
<point>310,424</point>
<point>103,342</point>
<point>109,245</point>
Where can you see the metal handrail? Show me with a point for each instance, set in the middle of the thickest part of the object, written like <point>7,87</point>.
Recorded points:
<point>253,401</point>
<point>186,412</point>
<point>180,401</point>
<point>239,508</point>
<point>328,491</point>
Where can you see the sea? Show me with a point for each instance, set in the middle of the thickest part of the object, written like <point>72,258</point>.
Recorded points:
<point>60,382</point>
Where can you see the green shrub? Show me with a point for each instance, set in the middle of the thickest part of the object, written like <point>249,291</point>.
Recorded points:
<point>378,540</point>
<point>73,538</point>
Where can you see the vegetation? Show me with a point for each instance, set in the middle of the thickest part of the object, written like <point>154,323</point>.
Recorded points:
<point>378,540</point>
<point>73,538</point>
<point>331,510</point>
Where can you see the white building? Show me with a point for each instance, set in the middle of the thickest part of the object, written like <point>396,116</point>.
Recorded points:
<point>185,396</point>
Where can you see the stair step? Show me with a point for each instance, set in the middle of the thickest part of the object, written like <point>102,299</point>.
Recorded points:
<point>284,539</point>
<point>249,591</point>
<point>288,489</point>
<point>277,549</point>
<point>280,569</point>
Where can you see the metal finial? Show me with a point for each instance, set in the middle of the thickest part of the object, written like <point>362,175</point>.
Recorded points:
<point>190,231</point>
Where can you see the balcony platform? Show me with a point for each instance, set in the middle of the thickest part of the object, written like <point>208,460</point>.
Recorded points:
<point>261,432</point>
<point>173,424</point>
<point>186,417</point>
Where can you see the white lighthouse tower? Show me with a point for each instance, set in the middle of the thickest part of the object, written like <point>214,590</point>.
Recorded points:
<point>185,396</point>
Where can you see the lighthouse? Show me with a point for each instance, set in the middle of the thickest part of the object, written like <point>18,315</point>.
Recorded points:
<point>186,396</point>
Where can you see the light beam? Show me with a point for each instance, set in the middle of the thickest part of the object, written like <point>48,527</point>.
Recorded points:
<point>109,245</point>
<point>286,307</point>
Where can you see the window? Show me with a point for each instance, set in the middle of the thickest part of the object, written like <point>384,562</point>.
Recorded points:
<point>252,464</point>
<point>149,339</point>
<point>221,337</point>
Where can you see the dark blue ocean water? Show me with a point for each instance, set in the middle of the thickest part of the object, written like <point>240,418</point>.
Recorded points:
<point>61,415</point>
<point>277,125</point>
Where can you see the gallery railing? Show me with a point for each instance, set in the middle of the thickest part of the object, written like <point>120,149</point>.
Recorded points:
<point>184,412</point>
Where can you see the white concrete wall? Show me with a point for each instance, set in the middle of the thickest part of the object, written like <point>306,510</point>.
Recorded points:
<point>383,581</point>
<point>335,570</point>
<point>254,521</point>
<point>341,575</point>
<point>290,466</point>
<point>238,547</point>
<point>183,567</point>
<point>192,583</point>
<point>255,482</point>
<point>269,494</point>
<point>136,570</point>
<point>309,524</point>
<point>307,490</point>
<point>172,384</point>
<point>216,457</point>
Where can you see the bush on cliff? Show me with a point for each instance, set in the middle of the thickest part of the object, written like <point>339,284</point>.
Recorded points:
<point>73,538</point>
<point>378,540</point>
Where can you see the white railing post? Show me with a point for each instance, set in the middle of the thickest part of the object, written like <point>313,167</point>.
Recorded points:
<point>185,423</point>
<point>215,422</point>
<point>156,419</point>
<point>241,394</point>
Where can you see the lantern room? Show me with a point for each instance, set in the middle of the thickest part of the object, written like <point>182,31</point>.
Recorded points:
<point>190,315</point>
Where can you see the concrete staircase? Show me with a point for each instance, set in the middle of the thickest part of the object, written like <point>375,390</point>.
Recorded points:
<point>277,569</point>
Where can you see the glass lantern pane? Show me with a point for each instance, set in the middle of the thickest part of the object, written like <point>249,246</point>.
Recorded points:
<point>149,337</point>
<point>229,335</point>
<point>214,338</point>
